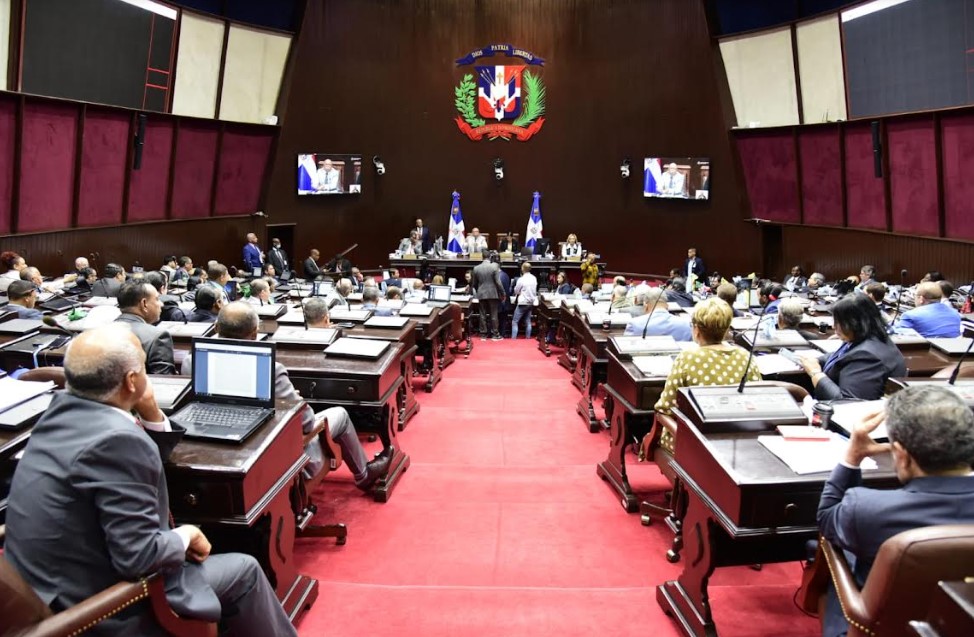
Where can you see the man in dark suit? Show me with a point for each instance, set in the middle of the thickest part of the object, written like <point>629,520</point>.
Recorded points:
<point>694,265</point>
<point>252,256</point>
<point>208,304</point>
<point>510,244</point>
<point>311,269</point>
<point>109,284</point>
<point>424,235</point>
<point>141,307</point>
<point>170,304</point>
<point>339,264</point>
<point>490,292</point>
<point>931,433</point>
<point>89,503</point>
<point>277,257</point>
<point>393,280</point>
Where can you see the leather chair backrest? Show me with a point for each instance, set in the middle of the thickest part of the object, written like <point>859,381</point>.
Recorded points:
<point>20,607</point>
<point>906,571</point>
<point>44,374</point>
<point>966,371</point>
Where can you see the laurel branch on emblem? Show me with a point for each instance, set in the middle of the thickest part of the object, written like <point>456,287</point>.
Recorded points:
<point>466,95</point>
<point>533,95</point>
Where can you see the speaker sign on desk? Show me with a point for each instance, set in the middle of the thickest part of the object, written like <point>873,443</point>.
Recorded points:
<point>500,101</point>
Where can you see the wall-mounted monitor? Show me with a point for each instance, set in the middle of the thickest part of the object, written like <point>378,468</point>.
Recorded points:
<point>676,177</point>
<point>329,174</point>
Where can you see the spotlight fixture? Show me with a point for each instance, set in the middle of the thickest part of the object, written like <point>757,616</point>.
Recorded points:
<point>498,168</point>
<point>624,168</point>
<point>380,168</point>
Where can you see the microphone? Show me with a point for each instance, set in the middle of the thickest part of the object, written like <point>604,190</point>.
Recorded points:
<point>750,355</point>
<point>50,322</point>
<point>954,374</point>
<point>899,296</point>
<point>649,315</point>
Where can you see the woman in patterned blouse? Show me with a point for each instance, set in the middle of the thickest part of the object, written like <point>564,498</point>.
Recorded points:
<point>714,362</point>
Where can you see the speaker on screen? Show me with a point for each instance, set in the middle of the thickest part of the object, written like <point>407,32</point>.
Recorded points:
<point>877,150</point>
<point>139,142</point>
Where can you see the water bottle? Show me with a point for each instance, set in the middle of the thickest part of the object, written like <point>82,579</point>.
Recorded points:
<point>822,415</point>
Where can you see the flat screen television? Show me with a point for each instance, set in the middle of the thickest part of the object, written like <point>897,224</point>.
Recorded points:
<point>676,177</point>
<point>329,174</point>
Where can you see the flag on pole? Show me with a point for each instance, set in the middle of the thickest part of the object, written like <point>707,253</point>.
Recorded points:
<point>653,173</point>
<point>534,222</point>
<point>456,226</point>
<point>306,173</point>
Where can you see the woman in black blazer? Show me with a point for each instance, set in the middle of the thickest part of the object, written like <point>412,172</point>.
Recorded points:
<point>866,360</point>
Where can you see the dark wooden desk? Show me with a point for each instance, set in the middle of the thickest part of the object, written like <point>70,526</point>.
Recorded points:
<point>542,268</point>
<point>241,496</point>
<point>744,506</point>
<point>408,405</point>
<point>569,328</point>
<point>368,389</point>
<point>590,371</point>
<point>432,334</point>
<point>951,612</point>
<point>549,314</point>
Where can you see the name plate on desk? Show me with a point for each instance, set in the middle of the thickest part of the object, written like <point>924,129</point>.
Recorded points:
<point>575,258</point>
<point>507,256</point>
<point>357,348</point>
<point>409,256</point>
<point>951,346</point>
<point>186,331</point>
<point>298,336</point>
<point>415,309</point>
<point>476,256</point>
<point>356,316</point>
<point>633,346</point>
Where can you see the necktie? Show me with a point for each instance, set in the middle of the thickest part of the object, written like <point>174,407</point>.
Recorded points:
<point>671,182</point>
<point>835,356</point>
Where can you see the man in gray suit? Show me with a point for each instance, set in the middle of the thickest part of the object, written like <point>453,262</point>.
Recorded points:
<point>141,307</point>
<point>89,505</point>
<point>931,433</point>
<point>486,283</point>
<point>111,282</point>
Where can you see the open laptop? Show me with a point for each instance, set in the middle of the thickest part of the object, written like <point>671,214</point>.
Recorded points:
<point>233,387</point>
<point>438,295</point>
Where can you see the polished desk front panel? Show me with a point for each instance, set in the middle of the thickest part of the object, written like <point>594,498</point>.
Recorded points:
<point>744,506</point>
<point>590,371</point>
<point>542,268</point>
<point>548,314</point>
<point>408,405</point>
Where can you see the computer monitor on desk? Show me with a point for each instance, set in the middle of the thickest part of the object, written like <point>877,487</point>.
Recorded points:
<point>720,409</point>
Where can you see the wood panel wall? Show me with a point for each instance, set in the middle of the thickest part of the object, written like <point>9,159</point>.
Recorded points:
<point>624,78</point>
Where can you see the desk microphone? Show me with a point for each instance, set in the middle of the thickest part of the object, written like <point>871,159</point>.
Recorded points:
<point>899,297</point>
<point>750,355</point>
<point>956,372</point>
<point>50,322</point>
<point>649,315</point>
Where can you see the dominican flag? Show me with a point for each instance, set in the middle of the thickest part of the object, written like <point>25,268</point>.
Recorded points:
<point>534,222</point>
<point>306,173</point>
<point>652,175</point>
<point>456,226</point>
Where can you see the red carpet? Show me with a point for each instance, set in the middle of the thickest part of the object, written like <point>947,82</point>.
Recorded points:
<point>501,527</point>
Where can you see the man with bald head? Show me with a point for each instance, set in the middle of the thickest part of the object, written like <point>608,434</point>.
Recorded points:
<point>89,504</point>
<point>239,320</point>
<point>141,309</point>
<point>930,318</point>
<point>252,256</point>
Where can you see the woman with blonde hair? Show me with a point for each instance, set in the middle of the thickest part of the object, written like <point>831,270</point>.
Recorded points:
<point>571,247</point>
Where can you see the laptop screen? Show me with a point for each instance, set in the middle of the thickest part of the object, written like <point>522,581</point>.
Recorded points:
<point>439,293</point>
<point>232,371</point>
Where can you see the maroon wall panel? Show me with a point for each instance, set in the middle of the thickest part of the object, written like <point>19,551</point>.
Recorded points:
<point>821,156</point>
<point>958,159</point>
<point>103,157</point>
<point>771,173</point>
<point>243,159</point>
<point>149,185</point>
<point>195,163</point>
<point>47,166</point>
<point>865,194</point>
<point>911,146</point>
<point>8,128</point>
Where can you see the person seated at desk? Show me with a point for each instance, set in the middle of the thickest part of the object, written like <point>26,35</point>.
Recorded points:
<point>411,245</point>
<point>394,280</point>
<point>218,278</point>
<point>141,309</point>
<point>268,271</point>
<point>170,304</point>
<point>109,284</point>
<point>770,297</point>
<point>657,320</point>
<point>571,248</point>
<point>932,275</point>
<point>620,300</point>
<point>815,281</point>
<point>476,244</point>
<point>866,359</point>
<point>788,317</point>
<point>947,290</point>
<point>13,263</point>
<point>510,244</point>
<point>796,280</point>
<point>339,264</point>
<point>931,438</point>
<point>208,304</point>
<point>86,279</point>
<point>877,292</point>
<point>358,279</point>
<point>713,363</point>
<point>240,321</point>
<point>169,266</point>
<point>930,318</point>
<point>338,296</point>
<point>23,298</point>
<point>637,300</point>
<point>727,292</point>
<point>416,293</point>
<point>311,269</point>
<point>33,275</point>
<point>677,293</point>
<point>865,277</point>
<point>183,271</point>
<point>393,293</point>
<point>586,291</point>
<point>563,285</point>
<point>260,293</point>
<point>80,264</point>
<point>590,270</point>
<point>370,301</point>
<point>93,474</point>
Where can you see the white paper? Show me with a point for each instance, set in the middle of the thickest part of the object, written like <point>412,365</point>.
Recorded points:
<point>654,365</point>
<point>770,364</point>
<point>956,345</point>
<point>362,347</point>
<point>810,456</point>
<point>817,320</point>
<point>14,392</point>
<point>178,328</point>
<point>415,309</point>
<point>828,345</point>
<point>847,415</point>
<point>386,321</point>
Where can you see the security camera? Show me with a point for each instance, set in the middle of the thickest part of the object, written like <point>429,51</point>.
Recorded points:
<point>498,169</point>
<point>624,168</point>
<point>380,168</point>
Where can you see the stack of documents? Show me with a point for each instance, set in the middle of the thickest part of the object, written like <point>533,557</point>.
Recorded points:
<point>810,456</point>
<point>14,392</point>
<point>654,365</point>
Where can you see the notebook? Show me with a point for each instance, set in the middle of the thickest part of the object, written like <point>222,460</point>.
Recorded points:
<point>233,387</point>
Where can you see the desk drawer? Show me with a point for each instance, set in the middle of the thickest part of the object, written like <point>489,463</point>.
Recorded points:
<point>200,499</point>
<point>337,388</point>
<point>772,509</point>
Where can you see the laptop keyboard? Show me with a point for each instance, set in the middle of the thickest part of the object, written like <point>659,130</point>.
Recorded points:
<point>217,415</point>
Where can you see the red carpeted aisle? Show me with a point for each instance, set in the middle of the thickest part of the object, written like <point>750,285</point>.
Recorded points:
<point>501,527</point>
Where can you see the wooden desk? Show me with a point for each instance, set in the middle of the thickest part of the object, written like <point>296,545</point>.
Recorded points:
<point>241,496</point>
<point>569,328</point>
<point>590,371</point>
<point>549,314</point>
<point>744,506</point>
<point>408,405</point>
<point>542,268</point>
<point>432,333</point>
<point>368,389</point>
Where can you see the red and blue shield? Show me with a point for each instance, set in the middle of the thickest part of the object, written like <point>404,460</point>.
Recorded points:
<point>499,91</point>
